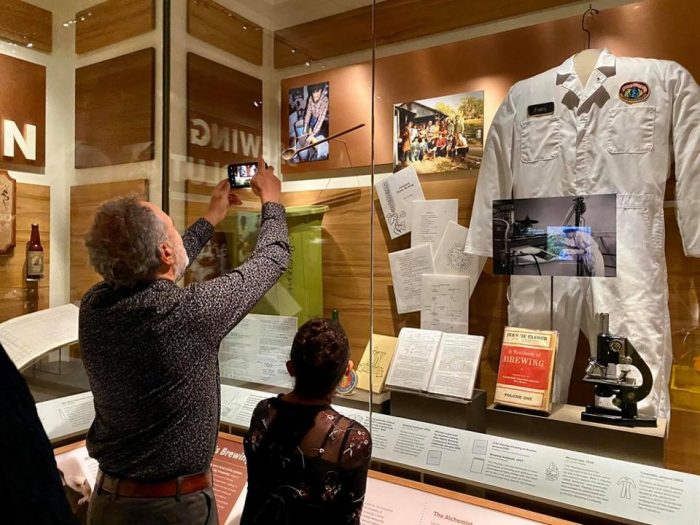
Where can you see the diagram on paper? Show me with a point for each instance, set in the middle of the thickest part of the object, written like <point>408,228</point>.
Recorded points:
<point>434,457</point>
<point>477,466</point>
<point>445,303</point>
<point>552,472</point>
<point>480,446</point>
<point>457,260</point>
<point>626,485</point>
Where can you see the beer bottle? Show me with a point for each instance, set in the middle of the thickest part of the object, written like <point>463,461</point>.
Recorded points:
<point>35,255</point>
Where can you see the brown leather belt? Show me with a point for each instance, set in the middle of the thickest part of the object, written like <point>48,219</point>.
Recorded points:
<point>131,488</point>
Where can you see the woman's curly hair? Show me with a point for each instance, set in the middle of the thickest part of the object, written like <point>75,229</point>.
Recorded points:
<point>320,354</point>
<point>124,242</point>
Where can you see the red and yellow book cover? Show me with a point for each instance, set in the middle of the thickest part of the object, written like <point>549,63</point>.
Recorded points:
<point>526,369</point>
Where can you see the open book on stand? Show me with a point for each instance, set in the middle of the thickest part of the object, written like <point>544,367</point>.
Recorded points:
<point>436,362</point>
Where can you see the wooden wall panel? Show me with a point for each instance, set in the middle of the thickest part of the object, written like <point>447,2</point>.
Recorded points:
<point>216,25</point>
<point>224,113</point>
<point>23,100</point>
<point>84,201</point>
<point>16,295</point>
<point>488,63</point>
<point>23,23</point>
<point>396,21</point>
<point>111,22</point>
<point>114,110</point>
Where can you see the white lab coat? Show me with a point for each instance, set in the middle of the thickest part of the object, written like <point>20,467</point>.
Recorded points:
<point>595,142</point>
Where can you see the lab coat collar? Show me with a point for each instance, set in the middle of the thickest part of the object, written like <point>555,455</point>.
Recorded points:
<point>604,68</point>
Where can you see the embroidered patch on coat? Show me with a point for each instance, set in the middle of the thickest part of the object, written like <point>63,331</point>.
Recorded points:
<point>633,92</point>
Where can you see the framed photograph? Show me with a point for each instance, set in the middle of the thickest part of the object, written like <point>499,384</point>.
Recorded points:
<point>565,236</point>
<point>440,134</point>
<point>8,210</point>
<point>309,121</point>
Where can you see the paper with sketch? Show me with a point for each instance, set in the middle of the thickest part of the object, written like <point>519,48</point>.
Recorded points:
<point>383,347</point>
<point>406,268</point>
<point>28,337</point>
<point>396,195</point>
<point>456,365</point>
<point>429,219</point>
<point>450,258</point>
<point>445,303</point>
<point>257,350</point>
<point>413,359</point>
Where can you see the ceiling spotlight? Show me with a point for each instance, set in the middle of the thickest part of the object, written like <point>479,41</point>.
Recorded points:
<point>294,51</point>
<point>307,63</point>
<point>245,28</point>
<point>65,24</point>
<point>29,44</point>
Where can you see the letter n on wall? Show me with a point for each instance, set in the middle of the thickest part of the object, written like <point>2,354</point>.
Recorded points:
<point>22,115</point>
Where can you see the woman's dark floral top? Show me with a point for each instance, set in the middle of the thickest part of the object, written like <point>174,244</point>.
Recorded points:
<point>307,464</point>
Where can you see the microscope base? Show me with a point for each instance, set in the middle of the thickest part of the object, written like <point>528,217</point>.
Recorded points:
<point>610,416</point>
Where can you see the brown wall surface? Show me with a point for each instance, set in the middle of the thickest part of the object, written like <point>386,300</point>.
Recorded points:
<point>23,100</point>
<point>114,110</point>
<point>491,63</point>
<point>222,97</point>
<point>17,297</point>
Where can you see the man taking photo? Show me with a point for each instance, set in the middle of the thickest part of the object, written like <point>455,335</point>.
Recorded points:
<point>150,349</point>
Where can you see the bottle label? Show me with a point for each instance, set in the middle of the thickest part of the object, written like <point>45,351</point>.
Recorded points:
<point>35,263</point>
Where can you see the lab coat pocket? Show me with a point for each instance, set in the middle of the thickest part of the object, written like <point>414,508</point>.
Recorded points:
<point>640,225</point>
<point>631,129</point>
<point>539,139</point>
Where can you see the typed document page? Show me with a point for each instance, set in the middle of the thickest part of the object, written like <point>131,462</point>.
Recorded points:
<point>456,365</point>
<point>413,359</point>
<point>407,266</point>
<point>430,219</point>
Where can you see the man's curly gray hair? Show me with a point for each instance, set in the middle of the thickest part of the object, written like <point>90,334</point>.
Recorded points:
<point>124,242</point>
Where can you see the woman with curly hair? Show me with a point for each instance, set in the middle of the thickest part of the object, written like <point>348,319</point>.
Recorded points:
<point>306,462</point>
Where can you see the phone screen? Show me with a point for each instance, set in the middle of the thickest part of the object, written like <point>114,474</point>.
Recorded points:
<point>239,175</point>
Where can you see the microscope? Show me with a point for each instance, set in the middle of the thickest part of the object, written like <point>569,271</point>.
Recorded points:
<point>625,392</point>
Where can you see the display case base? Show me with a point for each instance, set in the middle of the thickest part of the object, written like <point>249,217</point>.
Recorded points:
<point>455,413</point>
<point>564,429</point>
<point>359,399</point>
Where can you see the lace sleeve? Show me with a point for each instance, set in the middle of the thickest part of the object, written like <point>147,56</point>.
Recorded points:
<point>355,459</point>
<point>259,423</point>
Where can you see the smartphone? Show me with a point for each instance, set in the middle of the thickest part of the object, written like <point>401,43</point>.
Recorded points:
<point>239,175</point>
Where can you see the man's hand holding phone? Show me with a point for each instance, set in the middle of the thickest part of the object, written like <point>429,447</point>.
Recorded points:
<point>222,198</point>
<point>265,184</point>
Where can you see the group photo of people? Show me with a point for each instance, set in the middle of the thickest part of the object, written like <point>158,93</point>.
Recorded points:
<point>440,134</point>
